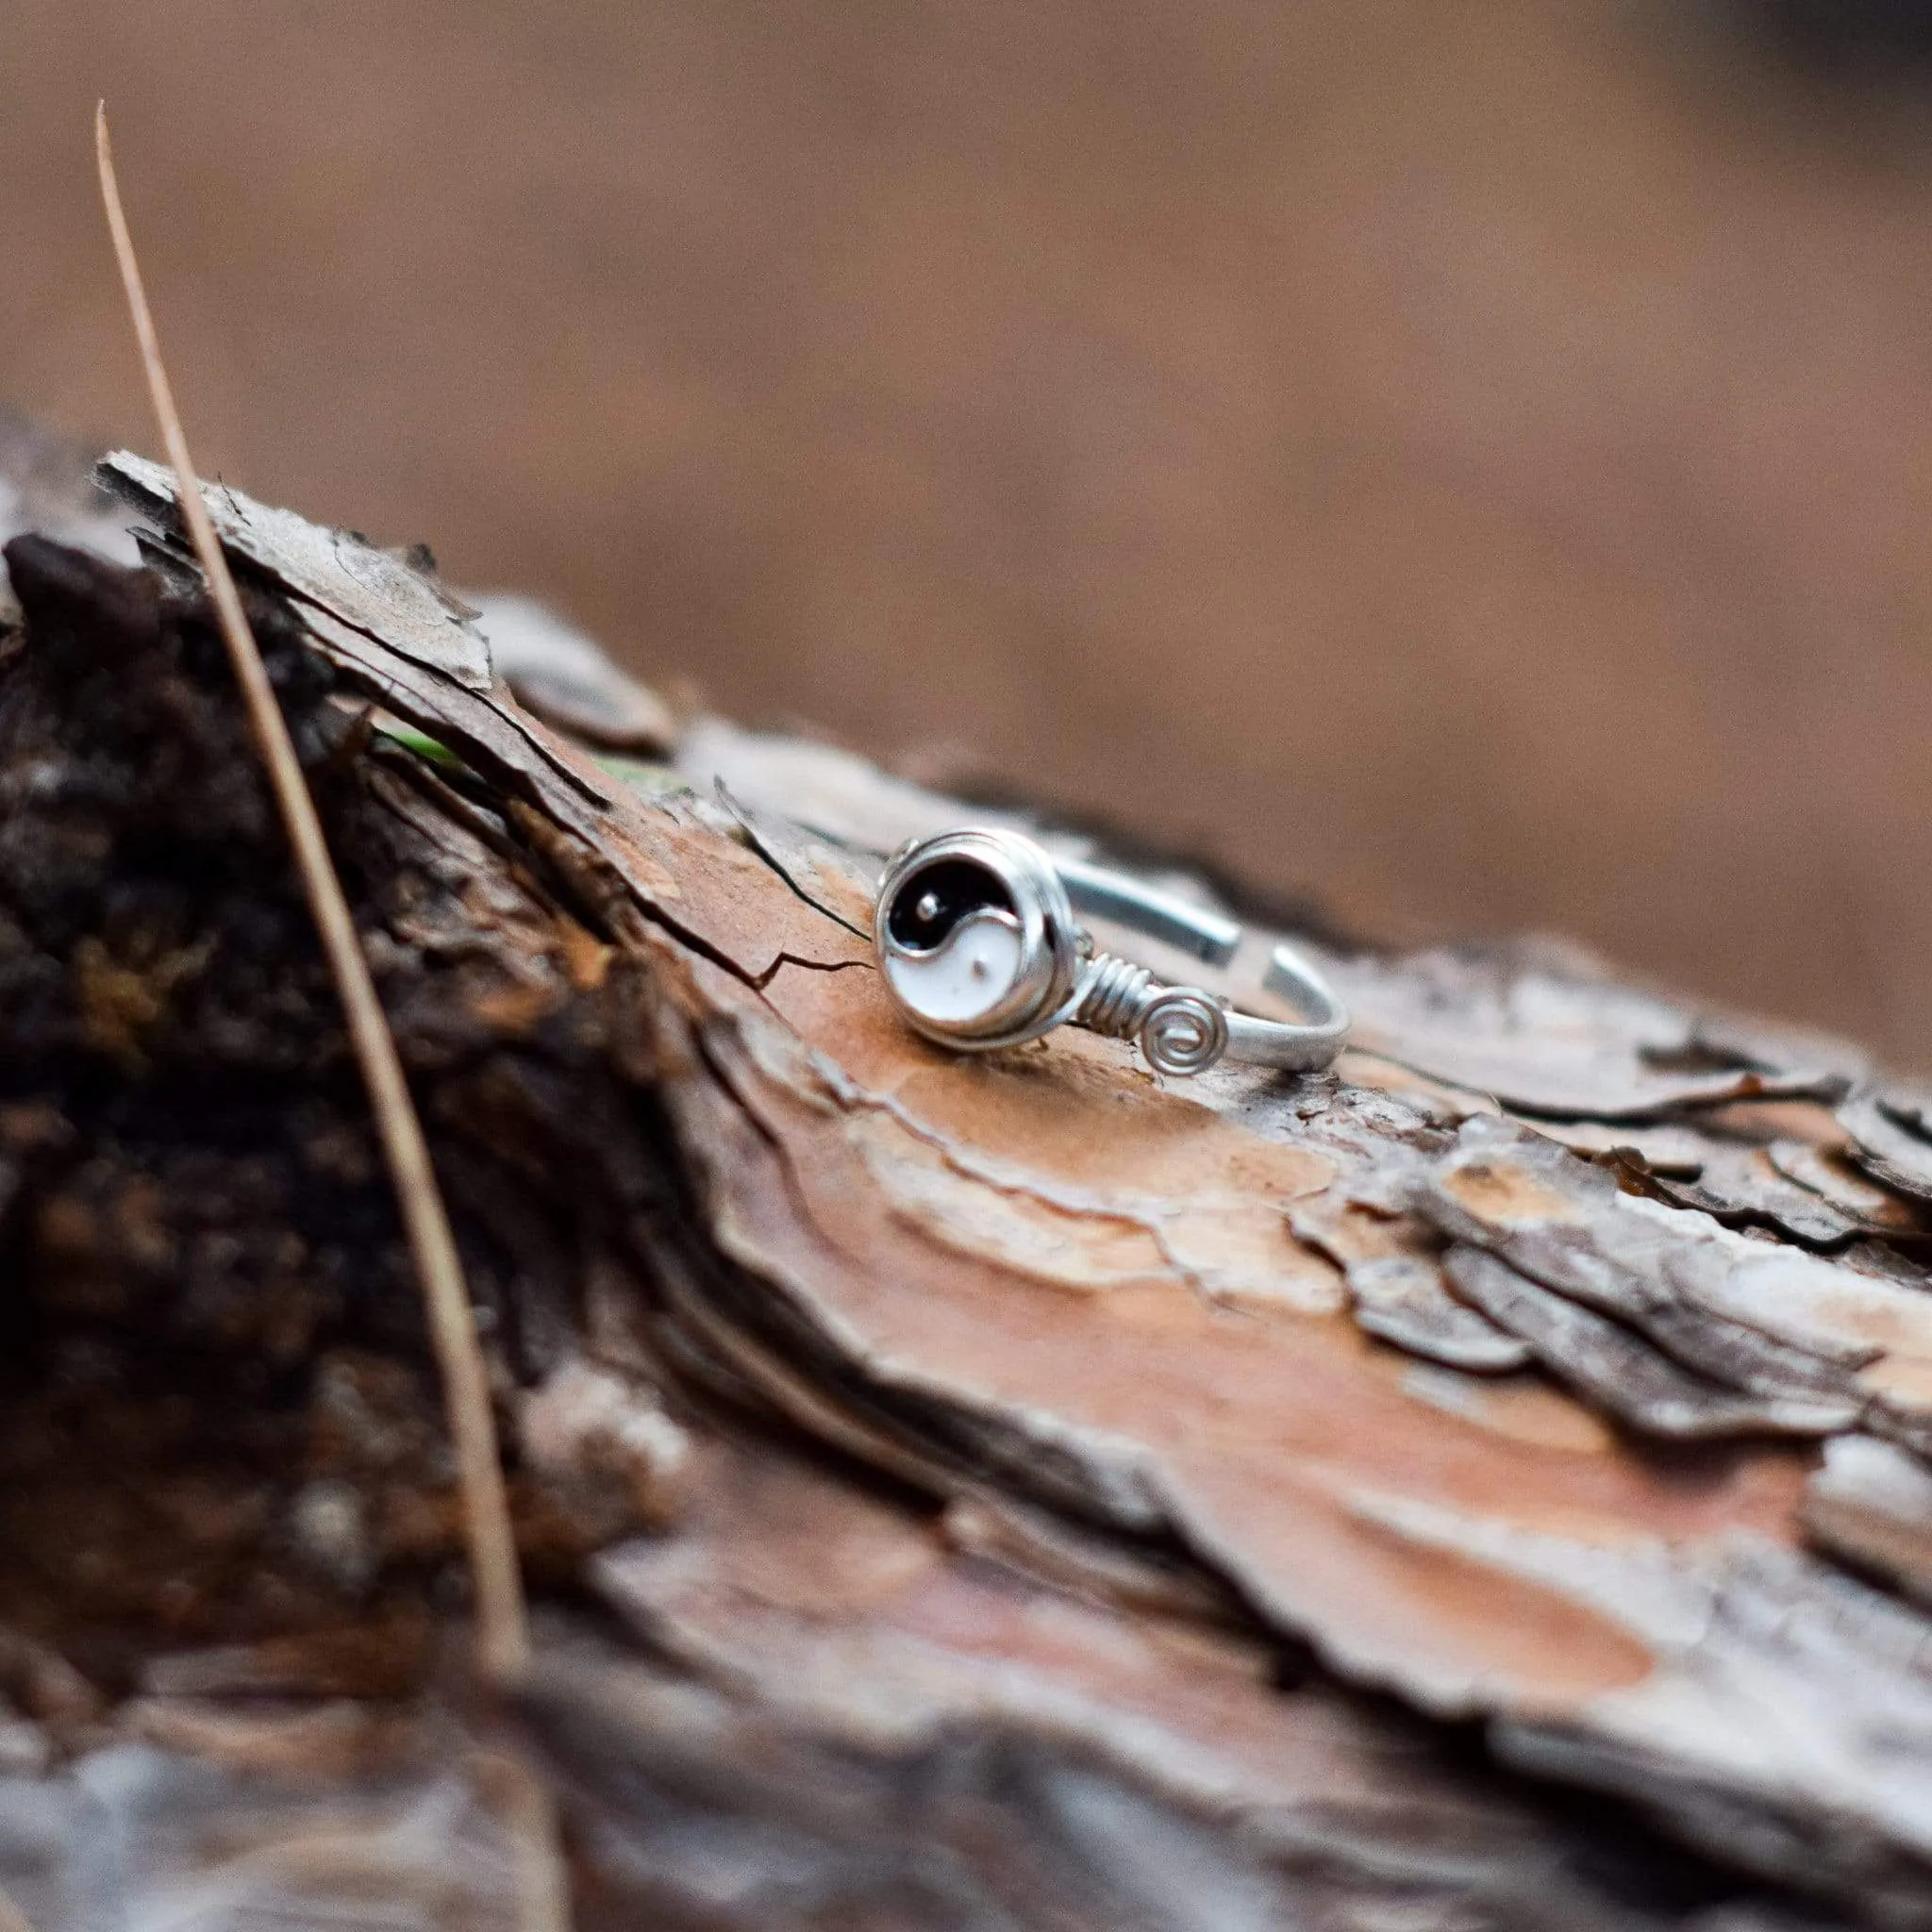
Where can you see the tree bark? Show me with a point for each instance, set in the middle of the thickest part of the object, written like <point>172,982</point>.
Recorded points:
<point>1483,1486</point>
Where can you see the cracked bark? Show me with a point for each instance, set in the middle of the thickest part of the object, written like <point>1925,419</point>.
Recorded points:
<point>1481,1486</point>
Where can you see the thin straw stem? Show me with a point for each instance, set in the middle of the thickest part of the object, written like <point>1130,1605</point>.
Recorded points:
<point>503,1632</point>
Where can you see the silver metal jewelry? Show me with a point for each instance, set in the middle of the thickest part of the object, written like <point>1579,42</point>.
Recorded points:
<point>977,939</point>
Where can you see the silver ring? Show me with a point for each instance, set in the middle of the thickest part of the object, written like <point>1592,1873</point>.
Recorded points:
<point>978,945</point>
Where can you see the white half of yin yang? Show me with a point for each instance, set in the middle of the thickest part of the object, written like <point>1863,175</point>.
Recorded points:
<point>965,976</point>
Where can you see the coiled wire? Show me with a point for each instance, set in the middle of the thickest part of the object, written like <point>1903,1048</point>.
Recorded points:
<point>1115,996</point>
<point>1180,1030</point>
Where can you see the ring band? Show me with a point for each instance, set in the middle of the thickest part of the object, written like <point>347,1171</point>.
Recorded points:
<point>977,938</point>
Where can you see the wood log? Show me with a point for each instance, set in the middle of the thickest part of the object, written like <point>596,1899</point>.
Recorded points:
<point>1481,1486</point>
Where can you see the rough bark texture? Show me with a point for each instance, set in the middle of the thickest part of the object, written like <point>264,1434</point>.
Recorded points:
<point>1481,1487</point>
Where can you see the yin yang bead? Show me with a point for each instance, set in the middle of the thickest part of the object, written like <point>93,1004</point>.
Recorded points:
<point>976,937</point>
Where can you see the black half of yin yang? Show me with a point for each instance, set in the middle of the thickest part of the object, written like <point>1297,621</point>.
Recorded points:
<point>929,907</point>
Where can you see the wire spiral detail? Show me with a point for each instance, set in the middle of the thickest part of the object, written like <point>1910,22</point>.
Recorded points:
<point>1179,1029</point>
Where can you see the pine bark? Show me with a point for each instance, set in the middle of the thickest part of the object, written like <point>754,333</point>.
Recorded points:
<point>1482,1486</point>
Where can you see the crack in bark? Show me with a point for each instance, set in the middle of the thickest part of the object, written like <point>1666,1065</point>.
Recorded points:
<point>754,842</point>
<point>784,959</point>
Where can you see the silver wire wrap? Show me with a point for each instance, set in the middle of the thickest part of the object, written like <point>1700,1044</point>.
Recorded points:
<point>1179,1029</point>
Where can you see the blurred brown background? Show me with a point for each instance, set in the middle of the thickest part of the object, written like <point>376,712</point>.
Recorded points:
<point>1471,459</point>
